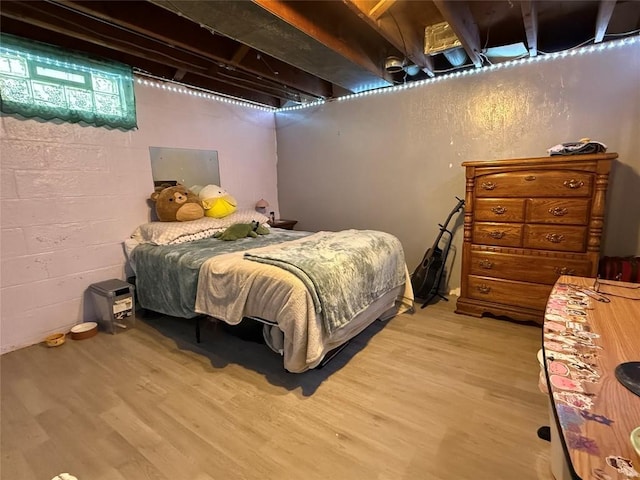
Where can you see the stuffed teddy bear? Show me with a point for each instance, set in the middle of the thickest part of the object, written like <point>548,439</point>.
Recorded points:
<point>242,230</point>
<point>217,202</point>
<point>177,204</point>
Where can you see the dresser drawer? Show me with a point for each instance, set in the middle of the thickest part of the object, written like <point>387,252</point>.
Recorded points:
<point>499,210</point>
<point>555,237</point>
<point>535,183</point>
<point>529,295</point>
<point>503,234</point>
<point>573,211</point>
<point>526,267</point>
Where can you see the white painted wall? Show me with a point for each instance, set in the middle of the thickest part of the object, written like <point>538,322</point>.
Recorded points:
<point>392,161</point>
<point>72,194</point>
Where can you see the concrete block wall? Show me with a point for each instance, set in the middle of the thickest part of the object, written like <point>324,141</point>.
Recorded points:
<point>71,194</point>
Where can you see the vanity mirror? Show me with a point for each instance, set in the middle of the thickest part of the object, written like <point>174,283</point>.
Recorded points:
<point>185,166</point>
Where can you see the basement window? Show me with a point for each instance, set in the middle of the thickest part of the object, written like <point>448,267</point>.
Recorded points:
<point>41,81</point>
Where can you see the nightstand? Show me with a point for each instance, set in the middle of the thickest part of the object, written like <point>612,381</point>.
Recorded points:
<point>282,223</point>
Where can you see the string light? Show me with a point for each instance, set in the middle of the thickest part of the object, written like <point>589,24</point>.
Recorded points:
<point>184,89</point>
<point>190,90</point>
<point>475,71</point>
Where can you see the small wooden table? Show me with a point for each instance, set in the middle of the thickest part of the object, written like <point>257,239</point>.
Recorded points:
<point>282,223</point>
<point>584,340</point>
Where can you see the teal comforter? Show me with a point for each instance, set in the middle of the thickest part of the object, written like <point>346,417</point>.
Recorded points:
<point>167,275</point>
<point>368,262</point>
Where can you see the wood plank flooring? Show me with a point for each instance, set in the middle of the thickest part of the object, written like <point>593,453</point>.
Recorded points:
<point>433,395</point>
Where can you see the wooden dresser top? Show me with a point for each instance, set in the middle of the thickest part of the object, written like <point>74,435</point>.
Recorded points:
<point>554,159</point>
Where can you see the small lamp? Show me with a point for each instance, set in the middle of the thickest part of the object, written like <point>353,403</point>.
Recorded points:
<point>261,205</point>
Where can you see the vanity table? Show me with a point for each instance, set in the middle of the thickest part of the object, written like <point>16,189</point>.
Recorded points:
<point>589,329</point>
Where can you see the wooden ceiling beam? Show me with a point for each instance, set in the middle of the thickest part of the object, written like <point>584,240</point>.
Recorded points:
<point>530,19</point>
<point>154,69</point>
<point>398,32</point>
<point>240,53</point>
<point>337,43</point>
<point>605,10</point>
<point>68,38</point>
<point>63,27</point>
<point>187,36</point>
<point>458,16</point>
<point>380,8</point>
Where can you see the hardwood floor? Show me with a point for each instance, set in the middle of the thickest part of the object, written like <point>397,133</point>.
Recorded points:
<point>433,395</point>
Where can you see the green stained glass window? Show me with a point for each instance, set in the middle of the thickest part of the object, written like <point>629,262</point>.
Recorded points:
<point>42,81</point>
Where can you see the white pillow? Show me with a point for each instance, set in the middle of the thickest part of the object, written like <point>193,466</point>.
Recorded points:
<point>170,233</point>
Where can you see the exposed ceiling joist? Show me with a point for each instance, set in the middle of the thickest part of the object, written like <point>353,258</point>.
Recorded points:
<point>380,8</point>
<point>458,16</point>
<point>530,19</point>
<point>129,31</point>
<point>394,31</point>
<point>284,11</point>
<point>241,52</point>
<point>288,32</point>
<point>605,10</point>
<point>287,52</point>
<point>128,45</point>
<point>200,41</point>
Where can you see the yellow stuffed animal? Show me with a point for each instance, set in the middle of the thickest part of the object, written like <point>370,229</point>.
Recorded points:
<point>217,202</point>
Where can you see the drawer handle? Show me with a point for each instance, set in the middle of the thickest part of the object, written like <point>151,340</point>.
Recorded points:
<point>486,264</point>
<point>564,271</point>
<point>496,234</point>
<point>488,185</point>
<point>498,210</point>
<point>558,211</point>
<point>554,237</point>
<point>530,178</point>
<point>573,183</point>
<point>482,288</point>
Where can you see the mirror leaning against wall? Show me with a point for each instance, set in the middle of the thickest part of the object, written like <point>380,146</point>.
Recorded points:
<point>184,166</point>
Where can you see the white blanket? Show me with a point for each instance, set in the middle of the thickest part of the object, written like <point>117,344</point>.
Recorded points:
<point>230,288</point>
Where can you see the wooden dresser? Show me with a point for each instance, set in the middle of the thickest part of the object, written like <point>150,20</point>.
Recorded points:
<point>526,222</point>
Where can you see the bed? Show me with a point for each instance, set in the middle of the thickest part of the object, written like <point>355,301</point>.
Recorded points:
<point>313,291</point>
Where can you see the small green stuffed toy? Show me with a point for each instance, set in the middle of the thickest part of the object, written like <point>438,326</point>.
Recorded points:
<point>242,230</point>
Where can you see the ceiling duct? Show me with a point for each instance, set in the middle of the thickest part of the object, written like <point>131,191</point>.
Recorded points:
<point>393,64</point>
<point>439,38</point>
<point>457,56</point>
<point>272,28</point>
<point>506,52</point>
